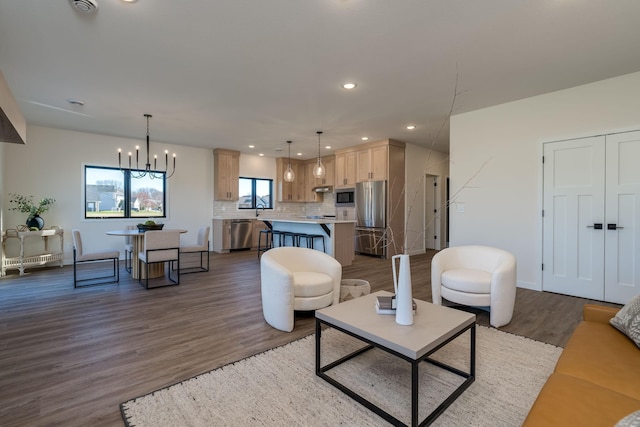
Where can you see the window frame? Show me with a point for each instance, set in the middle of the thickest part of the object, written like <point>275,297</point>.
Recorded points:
<point>126,196</point>
<point>253,192</point>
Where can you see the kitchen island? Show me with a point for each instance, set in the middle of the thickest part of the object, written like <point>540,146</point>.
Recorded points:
<point>338,234</point>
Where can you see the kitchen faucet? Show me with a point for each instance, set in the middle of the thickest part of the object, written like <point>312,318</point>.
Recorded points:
<point>258,206</point>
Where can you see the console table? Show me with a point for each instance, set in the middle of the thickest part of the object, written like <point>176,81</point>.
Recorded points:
<point>44,250</point>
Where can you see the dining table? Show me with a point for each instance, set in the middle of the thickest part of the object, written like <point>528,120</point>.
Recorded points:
<point>155,270</point>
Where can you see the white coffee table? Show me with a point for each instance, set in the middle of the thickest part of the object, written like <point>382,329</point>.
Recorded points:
<point>434,326</point>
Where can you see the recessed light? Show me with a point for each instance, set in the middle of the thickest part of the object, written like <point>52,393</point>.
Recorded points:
<point>261,154</point>
<point>328,147</point>
<point>365,138</point>
<point>298,154</point>
<point>411,127</point>
<point>129,1</point>
<point>349,85</point>
<point>252,146</point>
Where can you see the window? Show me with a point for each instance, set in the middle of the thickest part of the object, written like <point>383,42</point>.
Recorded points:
<point>114,193</point>
<point>255,192</point>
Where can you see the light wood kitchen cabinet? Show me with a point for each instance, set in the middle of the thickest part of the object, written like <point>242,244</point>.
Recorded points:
<point>345,169</point>
<point>372,164</point>
<point>310,182</point>
<point>289,191</point>
<point>258,226</point>
<point>221,235</point>
<point>329,163</point>
<point>226,174</point>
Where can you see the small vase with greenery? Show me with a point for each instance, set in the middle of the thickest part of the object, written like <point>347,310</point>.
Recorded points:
<point>26,204</point>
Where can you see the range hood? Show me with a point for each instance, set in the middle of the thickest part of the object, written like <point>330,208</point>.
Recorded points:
<point>323,189</point>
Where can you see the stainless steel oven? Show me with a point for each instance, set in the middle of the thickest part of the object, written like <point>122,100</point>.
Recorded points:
<point>345,197</point>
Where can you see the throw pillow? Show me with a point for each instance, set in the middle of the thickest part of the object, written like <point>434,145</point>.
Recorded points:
<point>631,420</point>
<point>627,320</point>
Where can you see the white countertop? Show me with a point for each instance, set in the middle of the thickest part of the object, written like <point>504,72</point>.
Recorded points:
<point>303,220</point>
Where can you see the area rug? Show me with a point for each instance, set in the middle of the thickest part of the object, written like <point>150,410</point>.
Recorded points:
<point>279,387</point>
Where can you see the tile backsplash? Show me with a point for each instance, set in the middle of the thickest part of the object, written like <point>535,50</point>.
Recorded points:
<point>230,209</point>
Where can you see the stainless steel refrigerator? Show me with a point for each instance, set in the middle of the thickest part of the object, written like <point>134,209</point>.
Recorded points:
<point>371,218</point>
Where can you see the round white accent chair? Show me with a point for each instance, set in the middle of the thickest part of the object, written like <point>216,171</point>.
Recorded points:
<point>476,276</point>
<point>297,279</point>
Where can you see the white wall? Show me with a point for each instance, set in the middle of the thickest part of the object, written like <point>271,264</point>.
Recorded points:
<point>496,170</point>
<point>52,162</point>
<point>419,162</point>
<point>257,166</point>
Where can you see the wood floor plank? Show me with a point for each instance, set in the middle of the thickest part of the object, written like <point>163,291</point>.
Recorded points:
<point>69,356</point>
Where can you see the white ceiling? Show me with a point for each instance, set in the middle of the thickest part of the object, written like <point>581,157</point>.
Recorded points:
<point>229,73</point>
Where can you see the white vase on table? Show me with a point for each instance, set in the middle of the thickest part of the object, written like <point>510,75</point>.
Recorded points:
<point>402,286</point>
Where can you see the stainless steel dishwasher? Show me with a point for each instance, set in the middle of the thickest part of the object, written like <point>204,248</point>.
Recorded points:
<point>241,234</point>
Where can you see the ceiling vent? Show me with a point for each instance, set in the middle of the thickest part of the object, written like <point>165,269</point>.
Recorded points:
<point>84,6</point>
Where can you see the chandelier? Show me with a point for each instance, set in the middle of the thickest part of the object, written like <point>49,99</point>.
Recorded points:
<point>154,173</point>
<point>289,175</point>
<point>318,169</point>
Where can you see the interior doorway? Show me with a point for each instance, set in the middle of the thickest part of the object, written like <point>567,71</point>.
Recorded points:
<point>432,212</point>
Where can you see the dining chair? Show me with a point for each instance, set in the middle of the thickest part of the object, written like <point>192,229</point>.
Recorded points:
<point>160,246</point>
<point>201,247</point>
<point>128,250</point>
<point>80,256</point>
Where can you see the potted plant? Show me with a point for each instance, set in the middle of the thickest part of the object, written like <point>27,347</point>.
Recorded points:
<point>149,225</point>
<point>26,204</point>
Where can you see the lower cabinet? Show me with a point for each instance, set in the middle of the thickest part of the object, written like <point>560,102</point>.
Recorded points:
<point>221,235</point>
<point>257,227</point>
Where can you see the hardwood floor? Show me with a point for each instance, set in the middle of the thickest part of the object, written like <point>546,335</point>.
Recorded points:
<point>70,356</point>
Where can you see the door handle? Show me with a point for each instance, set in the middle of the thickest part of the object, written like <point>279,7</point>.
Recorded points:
<point>595,226</point>
<point>614,227</point>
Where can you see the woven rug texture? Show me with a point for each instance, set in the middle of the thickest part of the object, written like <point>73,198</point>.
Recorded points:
<point>279,387</point>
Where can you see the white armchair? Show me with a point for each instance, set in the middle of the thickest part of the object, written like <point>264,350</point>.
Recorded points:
<point>477,276</point>
<point>294,278</point>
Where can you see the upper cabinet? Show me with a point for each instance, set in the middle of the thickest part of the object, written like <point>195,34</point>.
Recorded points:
<point>301,189</point>
<point>329,163</point>
<point>311,181</point>
<point>372,164</point>
<point>368,162</point>
<point>330,168</point>
<point>345,169</point>
<point>290,191</point>
<point>226,174</point>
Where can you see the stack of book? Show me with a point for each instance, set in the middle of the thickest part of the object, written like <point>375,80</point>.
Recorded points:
<point>387,305</point>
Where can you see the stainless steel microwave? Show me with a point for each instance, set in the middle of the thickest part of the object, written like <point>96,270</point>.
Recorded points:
<point>345,197</point>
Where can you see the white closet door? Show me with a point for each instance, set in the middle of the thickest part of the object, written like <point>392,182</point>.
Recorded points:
<point>573,222</point>
<point>622,227</point>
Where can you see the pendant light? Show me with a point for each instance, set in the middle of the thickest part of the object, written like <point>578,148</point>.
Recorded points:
<point>289,175</point>
<point>319,170</point>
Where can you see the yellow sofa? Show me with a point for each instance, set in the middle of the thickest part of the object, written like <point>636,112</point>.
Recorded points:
<point>596,381</point>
